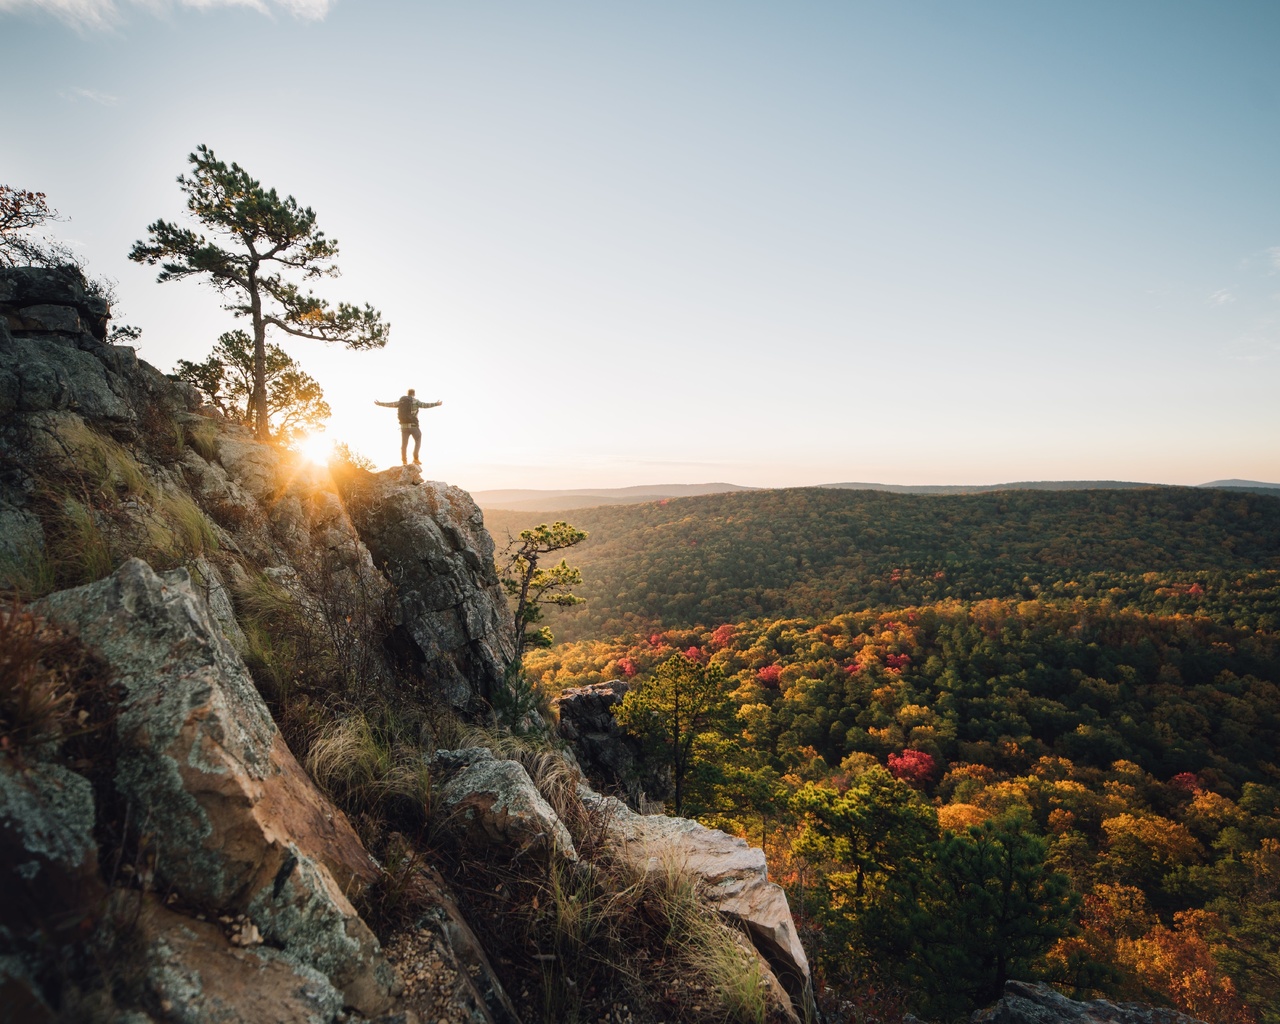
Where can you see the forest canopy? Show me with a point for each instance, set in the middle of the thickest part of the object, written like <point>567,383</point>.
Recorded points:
<point>1022,734</point>
<point>815,552</point>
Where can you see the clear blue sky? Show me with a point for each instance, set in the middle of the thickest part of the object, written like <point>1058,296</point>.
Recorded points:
<point>778,243</point>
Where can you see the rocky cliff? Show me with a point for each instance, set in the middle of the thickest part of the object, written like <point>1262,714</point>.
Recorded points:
<point>247,759</point>
<point>250,768</point>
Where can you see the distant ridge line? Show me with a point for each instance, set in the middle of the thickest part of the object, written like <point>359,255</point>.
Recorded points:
<point>552,500</point>
<point>534,499</point>
<point>1020,485</point>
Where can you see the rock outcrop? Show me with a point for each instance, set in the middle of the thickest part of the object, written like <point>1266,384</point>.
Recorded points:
<point>1024,1003</point>
<point>495,805</point>
<point>52,299</point>
<point>430,540</point>
<point>607,755</point>
<point>195,850</point>
<point>734,878</point>
<point>53,354</point>
<point>240,827</point>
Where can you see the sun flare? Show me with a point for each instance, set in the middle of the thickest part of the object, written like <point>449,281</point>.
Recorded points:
<point>317,449</point>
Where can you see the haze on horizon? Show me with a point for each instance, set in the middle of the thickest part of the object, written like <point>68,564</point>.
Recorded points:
<point>678,243</point>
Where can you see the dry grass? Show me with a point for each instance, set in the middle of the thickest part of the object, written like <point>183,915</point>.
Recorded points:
<point>52,691</point>
<point>30,575</point>
<point>36,700</point>
<point>84,554</point>
<point>584,938</point>
<point>361,767</point>
<point>105,465</point>
<point>203,438</point>
<point>192,530</point>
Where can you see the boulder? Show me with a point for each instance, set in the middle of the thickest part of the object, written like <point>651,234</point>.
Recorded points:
<point>252,465</point>
<point>48,855</point>
<point>431,542</point>
<point>41,375</point>
<point>241,828</point>
<point>195,974</point>
<point>1024,1003</point>
<point>734,879</point>
<point>495,804</point>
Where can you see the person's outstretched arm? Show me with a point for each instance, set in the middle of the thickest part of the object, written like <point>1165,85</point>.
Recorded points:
<point>429,405</point>
<point>385,405</point>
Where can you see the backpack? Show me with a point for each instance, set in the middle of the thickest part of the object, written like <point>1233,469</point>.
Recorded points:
<point>407,409</point>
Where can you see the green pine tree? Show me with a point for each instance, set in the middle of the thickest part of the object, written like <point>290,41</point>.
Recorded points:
<point>257,242</point>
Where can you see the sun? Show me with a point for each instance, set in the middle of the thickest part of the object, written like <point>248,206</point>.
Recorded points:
<point>317,449</point>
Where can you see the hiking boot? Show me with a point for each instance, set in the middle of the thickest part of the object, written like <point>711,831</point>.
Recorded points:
<point>417,462</point>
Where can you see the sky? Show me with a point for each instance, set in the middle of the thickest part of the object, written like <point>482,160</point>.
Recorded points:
<point>773,244</point>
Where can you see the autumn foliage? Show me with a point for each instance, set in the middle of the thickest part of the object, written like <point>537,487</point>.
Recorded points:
<point>1110,743</point>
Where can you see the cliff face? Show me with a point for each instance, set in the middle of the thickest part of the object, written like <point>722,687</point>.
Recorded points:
<point>88,423</point>
<point>189,594</point>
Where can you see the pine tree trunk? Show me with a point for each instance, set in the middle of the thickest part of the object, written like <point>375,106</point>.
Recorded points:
<point>258,402</point>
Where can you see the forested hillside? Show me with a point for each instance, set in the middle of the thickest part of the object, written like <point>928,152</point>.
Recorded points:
<point>1021,734</point>
<point>812,551</point>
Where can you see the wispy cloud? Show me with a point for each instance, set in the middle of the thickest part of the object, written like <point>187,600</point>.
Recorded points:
<point>104,14</point>
<point>1274,255</point>
<point>1221,297</point>
<point>74,93</point>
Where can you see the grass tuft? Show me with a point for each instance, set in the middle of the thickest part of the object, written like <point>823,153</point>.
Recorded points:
<point>28,575</point>
<point>83,552</point>
<point>361,767</point>
<point>194,533</point>
<point>106,465</point>
<point>203,437</point>
<point>608,932</point>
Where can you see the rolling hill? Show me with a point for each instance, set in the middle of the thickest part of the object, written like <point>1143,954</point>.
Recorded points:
<point>815,551</point>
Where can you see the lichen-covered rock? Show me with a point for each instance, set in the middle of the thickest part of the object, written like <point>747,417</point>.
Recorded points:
<point>495,804</point>
<point>242,828</point>
<point>1025,1003</point>
<point>48,856</point>
<point>53,356</point>
<point>734,879</point>
<point>431,541</point>
<point>197,976</point>
<point>51,375</point>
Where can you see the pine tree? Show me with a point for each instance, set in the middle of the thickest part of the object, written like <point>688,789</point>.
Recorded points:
<point>682,700</point>
<point>533,586</point>
<point>295,400</point>
<point>257,239</point>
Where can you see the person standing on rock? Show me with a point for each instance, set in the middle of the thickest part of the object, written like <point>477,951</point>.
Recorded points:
<point>407,407</point>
